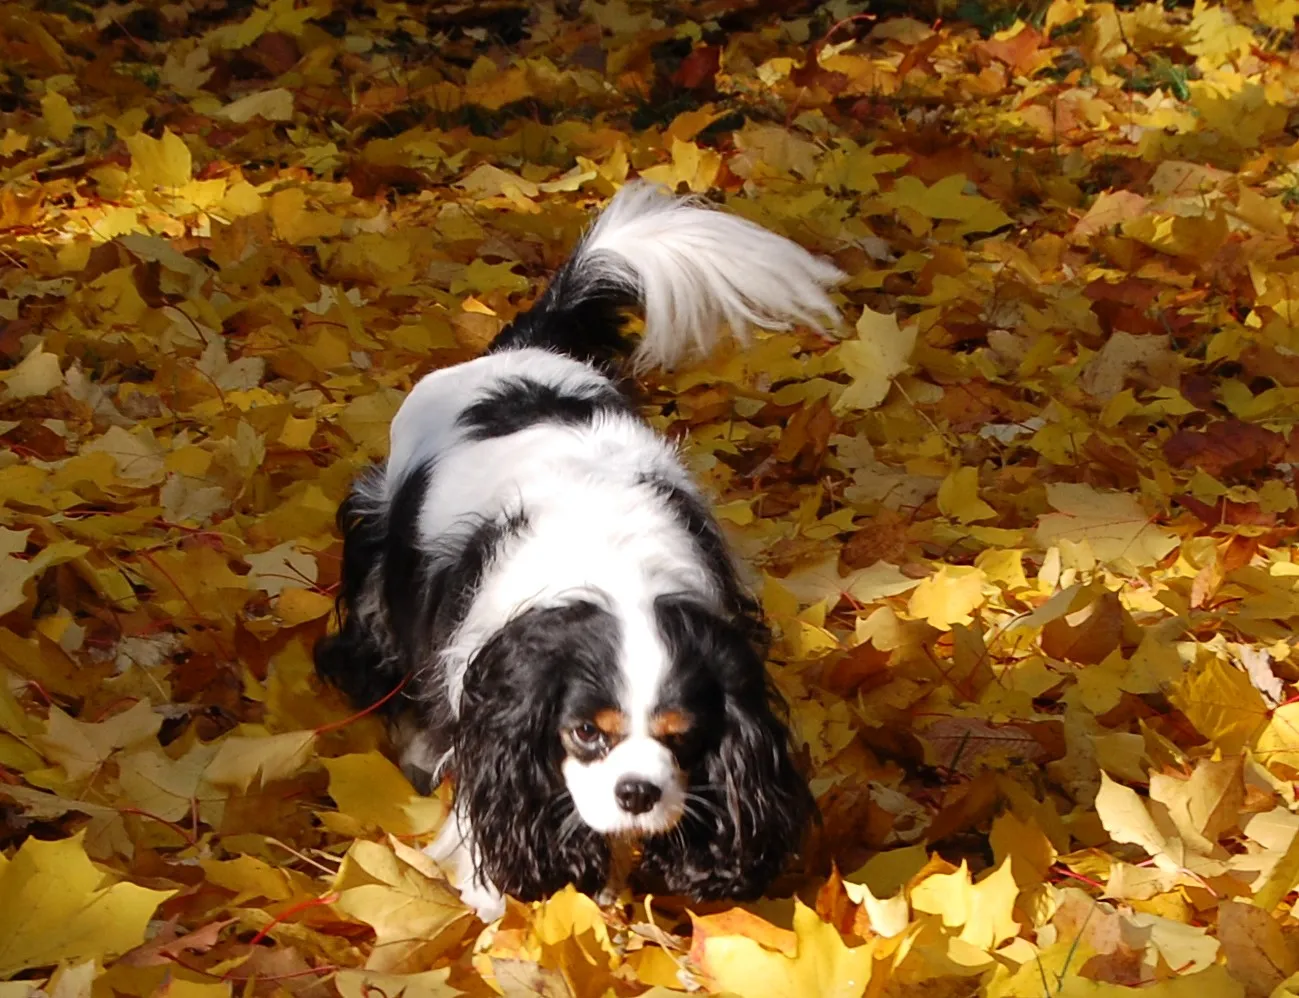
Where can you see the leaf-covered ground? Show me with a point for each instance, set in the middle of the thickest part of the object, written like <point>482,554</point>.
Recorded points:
<point>1027,531</point>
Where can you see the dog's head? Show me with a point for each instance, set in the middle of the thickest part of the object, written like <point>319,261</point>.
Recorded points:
<point>586,721</point>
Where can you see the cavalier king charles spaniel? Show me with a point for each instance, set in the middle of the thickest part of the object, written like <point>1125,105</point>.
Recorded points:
<point>534,562</point>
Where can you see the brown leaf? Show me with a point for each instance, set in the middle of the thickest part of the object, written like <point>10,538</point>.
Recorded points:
<point>1225,449</point>
<point>1258,953</point>
<point>165,948</point>
<point>1088,634</point>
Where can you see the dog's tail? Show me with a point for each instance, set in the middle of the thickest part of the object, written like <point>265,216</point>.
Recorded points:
<point>694,270</point>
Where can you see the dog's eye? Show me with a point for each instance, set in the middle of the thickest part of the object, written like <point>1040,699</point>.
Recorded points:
<point>587,735</point>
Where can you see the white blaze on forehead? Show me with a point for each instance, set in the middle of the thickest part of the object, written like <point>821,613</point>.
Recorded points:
<point>644,662</point>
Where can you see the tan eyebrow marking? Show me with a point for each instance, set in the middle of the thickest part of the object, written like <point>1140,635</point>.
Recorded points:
<point>669,722</point>
<point>612,722</point>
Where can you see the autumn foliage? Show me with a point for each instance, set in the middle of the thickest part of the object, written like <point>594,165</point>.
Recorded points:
<point>1026,530</point>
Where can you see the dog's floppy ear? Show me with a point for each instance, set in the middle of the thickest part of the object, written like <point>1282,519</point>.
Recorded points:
<point>749,805</point>
<point>750,818</point>
<point>509,782</point>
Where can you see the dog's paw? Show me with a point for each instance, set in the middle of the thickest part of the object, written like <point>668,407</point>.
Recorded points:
<point>487,902</point>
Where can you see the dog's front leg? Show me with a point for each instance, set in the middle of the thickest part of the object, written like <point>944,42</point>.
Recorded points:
<point>456,851</point>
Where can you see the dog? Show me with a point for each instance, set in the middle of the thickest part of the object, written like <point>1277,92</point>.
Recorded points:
<point>536,566</point>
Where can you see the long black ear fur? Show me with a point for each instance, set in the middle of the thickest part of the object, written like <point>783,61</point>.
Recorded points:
<point>509,783</point>
<point>750,805</point>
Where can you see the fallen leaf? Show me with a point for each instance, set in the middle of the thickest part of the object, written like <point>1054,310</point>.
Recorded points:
<point>880,353</point>
<point>37,374</point>
<point>370,789</point>
<point>948,597</point>
<point>56,906</point>
<point>1113,524</point>
<point>414,918</point>
<point>821,965</point>
<point>243,761</point>
<point>165,162</point>
<point>1223,705</point>
<point>272,105</point>
<point>983,912</point>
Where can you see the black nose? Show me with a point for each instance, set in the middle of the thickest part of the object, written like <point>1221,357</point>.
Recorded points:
<point>636,796</point>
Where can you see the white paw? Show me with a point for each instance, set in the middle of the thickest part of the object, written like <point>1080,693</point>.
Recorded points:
<point>453,851</point>
<point>487,902</point>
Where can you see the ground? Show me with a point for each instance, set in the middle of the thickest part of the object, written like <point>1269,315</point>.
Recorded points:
<point>1025,528</point>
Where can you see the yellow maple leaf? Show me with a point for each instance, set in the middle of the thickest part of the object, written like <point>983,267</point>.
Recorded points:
<point>1113,524</point>
<point>1205,806</point>
<point>116,298</point>
<point>296,222</point>
<point>958,497</point>
<point>1217,36</point>
<point>277,16</point>
<point>243,760</point>
<point>185,70</point>
<point>1044,974</point>
<point>367,787</point>
<point>696,168</point>
<point>821,582</point>
<point>58,115</point>
<point>1195,237</point>
<point>881,351</point>
<point>248,877</point>
<point>1127,819</point>
<point>414,916</point>
<point>80,747</point>
<point>55,906</point>
<point>822,964</point>
<point>767,150</point>
<point>1226,708</point>
<point>241,198</point>
<point>171,788</point>
<point>280,567</point>
<point>1005,567</point>
<point>949,596</point>
<point>481,277</point>
<point>296,605</point>
<point>137,456</point>
<point>487,181</point>
<point>983,911</point>
<point>487,85</point>
<point>947,200</point>
<point>888,916</point>
<point>164,162</point>
<point>1278,742</point>
<point>16,573</point>
<point>366,420</point>
<point>856,168</point>
<point>1278,14</point>
<point>572,937</point>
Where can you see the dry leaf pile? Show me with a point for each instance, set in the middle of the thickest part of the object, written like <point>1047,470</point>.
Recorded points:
<point>1027,531</point>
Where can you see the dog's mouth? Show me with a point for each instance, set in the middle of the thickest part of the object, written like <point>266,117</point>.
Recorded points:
<point>616,823</point>
<point>662,819</point>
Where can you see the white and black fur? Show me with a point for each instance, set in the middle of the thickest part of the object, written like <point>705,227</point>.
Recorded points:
<point>581,656</point>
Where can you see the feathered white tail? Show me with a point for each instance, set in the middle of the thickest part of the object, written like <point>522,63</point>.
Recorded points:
<point>696,270</point>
